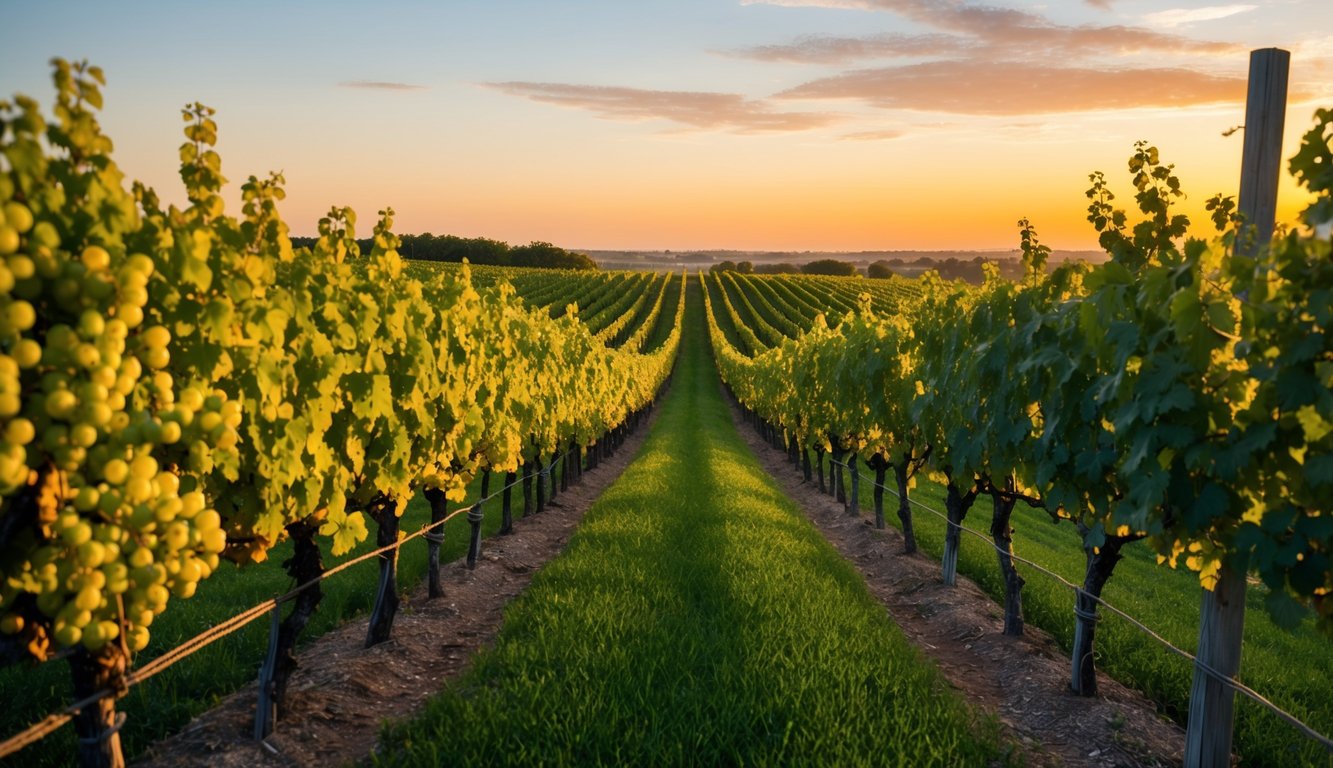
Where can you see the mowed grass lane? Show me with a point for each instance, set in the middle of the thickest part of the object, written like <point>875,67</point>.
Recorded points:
<point>696,617</point>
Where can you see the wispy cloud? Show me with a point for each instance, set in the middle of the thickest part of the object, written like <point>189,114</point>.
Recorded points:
<point>1019,88</point>
<point>986,33</point>
<point>828,49</point>
<point>1179,17</point>
<point>376,85</point>
<point>697,109</point>
<point>884,135</point>
<point>1102,5</point>
<point>978,59</point>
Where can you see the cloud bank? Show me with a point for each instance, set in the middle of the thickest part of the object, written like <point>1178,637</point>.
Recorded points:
<point>696,109</point>
<point>1017,88</point>
<point>987,60</point>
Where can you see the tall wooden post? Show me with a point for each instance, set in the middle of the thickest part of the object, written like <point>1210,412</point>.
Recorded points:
<point>1212,702</point>
<point>1261,159</point>
<point>1222,619</point>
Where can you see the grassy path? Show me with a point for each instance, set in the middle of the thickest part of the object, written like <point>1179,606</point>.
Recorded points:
<point>696,617</point>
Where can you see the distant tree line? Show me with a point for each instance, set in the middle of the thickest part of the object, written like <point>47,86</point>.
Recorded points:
<point>478,250</point>
<point>949,269</point>
<point>819,267</point>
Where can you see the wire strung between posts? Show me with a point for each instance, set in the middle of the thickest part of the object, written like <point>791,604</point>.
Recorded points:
<point>1226,680</point>
<point>53,722</point>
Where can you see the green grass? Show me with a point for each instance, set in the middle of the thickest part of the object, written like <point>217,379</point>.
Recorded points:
<point>168,701</point>
<point>696,618</point>
<point>1292,669</point>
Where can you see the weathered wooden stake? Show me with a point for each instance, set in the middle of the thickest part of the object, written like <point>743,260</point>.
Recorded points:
<point>1212,703</point>
<point>854,499</point>
<point>1261,158</point>
<point>474,517</point>
<point>266,712</point>
<point>507,505</point>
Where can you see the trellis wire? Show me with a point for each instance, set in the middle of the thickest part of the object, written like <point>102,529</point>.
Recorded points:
<point>1231,682</point>
<point>52,722</point>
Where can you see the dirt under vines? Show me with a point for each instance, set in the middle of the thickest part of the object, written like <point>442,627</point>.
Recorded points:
<point>1023,681</point>
<point>342,692</point>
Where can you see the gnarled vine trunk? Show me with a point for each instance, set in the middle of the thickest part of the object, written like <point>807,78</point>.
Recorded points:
<point>819,464</point>
<point>1100,564</point>
<point>904,507</point>
<point>956,506</point>
<point>1002,534</point>
<point>881,467</point>
<point>384,511</point>
<point>507,505</point>
<point>305,565</point>
<point>439,509</point>
<point>97,725</point>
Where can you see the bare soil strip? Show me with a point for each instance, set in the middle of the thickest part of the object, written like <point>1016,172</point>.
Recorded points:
<point>343,692</point>
<point>1023,681</point>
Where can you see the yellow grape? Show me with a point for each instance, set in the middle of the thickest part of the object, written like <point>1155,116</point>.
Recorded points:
<point>176,536</point>
<point>136,638</point>
<point>214,541</point>
<point>91,325</point>
<point>95,258</point>
<point>27,353</point>
<point>21,266</point>
<point>21,315</point>
<point>86,499</point>
<point>87,356</point>
<point>168,485</point>
<point>116,471</point>
<point>20,431</point>
<point>131,314</point>
<point>67,636</point>
<point>61,404</point>
<point>141,557</point>
<point>156,358</point>
<point>88,599</point>
<point>140,264</point>
<point>77,533</point>
<point>92,554</point>
<point>18,216</point>
<point>143,467</point>
<point>83,435</point>
<point>190,399</point>
<point>155,337</point>
<point>167,509</point>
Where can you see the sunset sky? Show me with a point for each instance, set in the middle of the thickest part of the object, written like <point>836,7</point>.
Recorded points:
<point>686,124</point>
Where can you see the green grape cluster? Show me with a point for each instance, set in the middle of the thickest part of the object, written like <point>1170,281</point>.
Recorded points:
<point>87,411</point>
